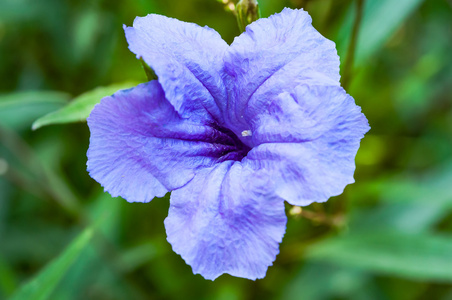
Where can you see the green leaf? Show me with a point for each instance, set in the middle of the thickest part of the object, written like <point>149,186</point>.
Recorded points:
<point>150,73</point>
<point>93,265</point>
<point>381,18</point>
<point>45,282</point>
<point>19,109</point>
<point>141,254</point>
<point>406,198</point>
<point>19,11</point>
<point>80,107</point>
<point>414,256</point>
<point>8,280</point>
<point>105,206</point>
<point>86,30</point>
<point>324,281</point>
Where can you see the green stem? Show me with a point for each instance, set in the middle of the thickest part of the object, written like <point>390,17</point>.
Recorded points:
<point>348,68</point>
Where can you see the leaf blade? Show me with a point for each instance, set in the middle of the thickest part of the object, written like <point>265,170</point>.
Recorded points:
<point>415,256</point>
<point>381,18</point>
<point>375,32</point>
<point>41,286</point>
<point>19,109</point>
<point>80,107</point>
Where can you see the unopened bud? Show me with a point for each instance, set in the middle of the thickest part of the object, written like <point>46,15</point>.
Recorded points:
<point>247,13</point>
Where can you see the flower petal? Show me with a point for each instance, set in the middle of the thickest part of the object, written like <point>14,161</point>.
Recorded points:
<point>141,148</point>
<point>275,55</point>
<point>187,59</point>
<point>225,221</point>
<point>309,139</point>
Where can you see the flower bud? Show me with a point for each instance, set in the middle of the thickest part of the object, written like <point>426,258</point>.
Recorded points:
<point>247,12</point>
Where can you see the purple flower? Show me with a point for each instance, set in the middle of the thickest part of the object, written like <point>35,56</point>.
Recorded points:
<point>232,131</point>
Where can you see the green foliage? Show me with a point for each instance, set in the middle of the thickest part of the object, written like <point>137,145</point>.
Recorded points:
<point>45,282</point>
<point>388,236</point>
<point>80,107</point>
<point>416,256</point>
<point>150,74</point>
<point>325,281</point>
<point>381,18</point>
<point>18,110</point>
<point>374,33</point>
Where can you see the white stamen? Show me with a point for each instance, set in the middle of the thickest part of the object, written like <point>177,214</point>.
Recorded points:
<point>247,133</point>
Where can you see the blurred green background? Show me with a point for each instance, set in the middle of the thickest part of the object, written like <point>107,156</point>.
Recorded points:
<point>388,236</point>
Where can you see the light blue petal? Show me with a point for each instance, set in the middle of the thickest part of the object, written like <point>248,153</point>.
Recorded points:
<point>141,148</point>
<point>272,56</point>
<point>188,60</point>
<point>308,139</point>
<point>227,221</point>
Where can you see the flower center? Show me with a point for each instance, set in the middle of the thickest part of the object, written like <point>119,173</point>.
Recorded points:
<point>236,149</point>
